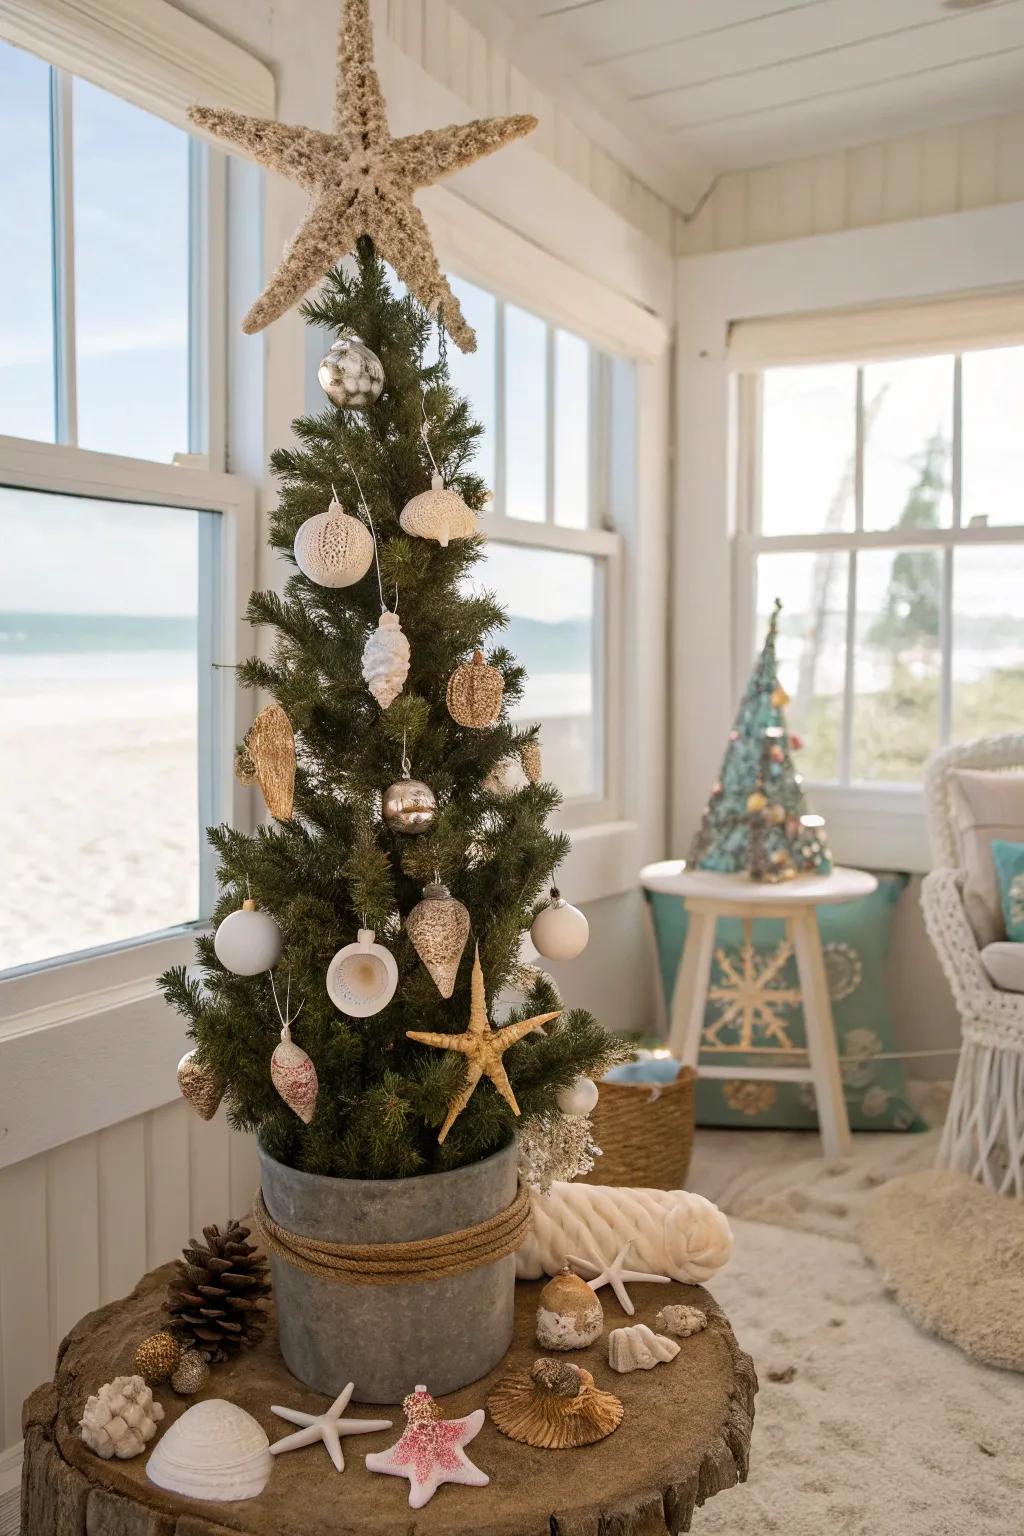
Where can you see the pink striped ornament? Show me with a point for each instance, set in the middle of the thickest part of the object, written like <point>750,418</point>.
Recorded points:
<point>294,1076</point>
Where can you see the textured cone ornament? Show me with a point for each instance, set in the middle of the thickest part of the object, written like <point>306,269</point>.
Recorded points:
<point>386,660</point>
<point>439,927</point>
<point>201,1086</point>
<point>361,181</point>
<point>482,1046</point>
<point>553,1407</point>
<point>430,1451</point>
<point>294,1076</point>
<point>474,694</point>
<point>333,549</point>
<point>438,514</point>
<point>351,375</point>
<point>268,759</point>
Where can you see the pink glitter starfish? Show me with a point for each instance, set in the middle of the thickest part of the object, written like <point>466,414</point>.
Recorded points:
<point>430,1451</point>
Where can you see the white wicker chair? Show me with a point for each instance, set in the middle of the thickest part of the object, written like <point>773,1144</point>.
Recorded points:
<point>984,1133</point>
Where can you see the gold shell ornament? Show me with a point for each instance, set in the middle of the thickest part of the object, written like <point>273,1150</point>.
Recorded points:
<point>474,693</point>
<point>439,927</point>
<point>554,1406</point>
<point>529,756</point>
<point>438,514</point>
<point>268,759</point>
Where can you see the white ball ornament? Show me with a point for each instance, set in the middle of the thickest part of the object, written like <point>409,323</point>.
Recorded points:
<point>580,1098</point>
<point>362,977</point>
<point>248,941</point>
<point>560,932</point>
<point>334,549</point>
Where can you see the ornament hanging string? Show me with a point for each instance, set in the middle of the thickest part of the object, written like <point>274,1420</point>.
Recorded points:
<point>451,1253</point>
<point>425,434</point>
<point>373,534</point>
<point>286,1019</point>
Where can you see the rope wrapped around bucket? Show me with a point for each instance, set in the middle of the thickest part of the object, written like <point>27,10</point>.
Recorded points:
<point>428,1258</point>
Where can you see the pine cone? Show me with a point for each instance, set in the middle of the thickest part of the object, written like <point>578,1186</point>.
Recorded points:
<point>215,1297</point>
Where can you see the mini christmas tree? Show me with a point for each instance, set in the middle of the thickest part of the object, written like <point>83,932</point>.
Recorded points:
<point>382,792</point>
<point>756,821</point>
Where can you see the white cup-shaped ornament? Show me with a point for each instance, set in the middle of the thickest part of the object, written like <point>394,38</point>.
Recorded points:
<point>580,1098</point>
<point>248,941</point>
<point>334,549</point>
<point>362,977</point>
<point>559,931</point>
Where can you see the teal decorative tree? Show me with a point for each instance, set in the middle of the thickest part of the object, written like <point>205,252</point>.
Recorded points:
<point>756,820</point>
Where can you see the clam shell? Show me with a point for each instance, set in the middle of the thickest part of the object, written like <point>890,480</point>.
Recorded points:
<point>214,1451</point>
<point>639,1349</point>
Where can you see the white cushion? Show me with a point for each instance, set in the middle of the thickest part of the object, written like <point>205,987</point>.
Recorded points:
<point>1005,965</point>
<point>985,807</point>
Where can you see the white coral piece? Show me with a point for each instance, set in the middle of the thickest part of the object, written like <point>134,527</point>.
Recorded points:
<point>121,1418</point>
<point>681,1321</point>
<point>638,1348</point>
<point>386,660</point>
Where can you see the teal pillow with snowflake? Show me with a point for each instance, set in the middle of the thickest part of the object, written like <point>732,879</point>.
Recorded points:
<point>1009,859</point>
<point>753,1014</point>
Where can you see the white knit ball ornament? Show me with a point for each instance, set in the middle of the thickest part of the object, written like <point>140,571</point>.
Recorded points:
<point>248,941</point>
<point>438,514</point>
<point>560,932</point>
<point>580,1098</point>
<point>333,549</point>
<point>386,660</point>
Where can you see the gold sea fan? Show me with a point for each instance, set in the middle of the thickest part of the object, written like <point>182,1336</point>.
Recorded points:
<point>554,1406</point>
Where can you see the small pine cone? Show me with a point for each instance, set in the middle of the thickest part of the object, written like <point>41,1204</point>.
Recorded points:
<point>156,1357</point>
<point>215,1298</point>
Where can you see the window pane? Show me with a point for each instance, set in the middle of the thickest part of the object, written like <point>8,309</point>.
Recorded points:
<point>526,415</point>
<point>559,653</point>
<point>98,722</point>
<point>572,431</point>
<point>988,640</point>
<point>811,649</point>
<point>809,432</point>
<point>908,440</point>
<point>131,210</point>
<point>897,663</point>
<point>26,250</point>
<point>472,373</point>
<point>992,394</point>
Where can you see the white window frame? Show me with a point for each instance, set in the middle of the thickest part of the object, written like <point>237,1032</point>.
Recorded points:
<point>752,542</point>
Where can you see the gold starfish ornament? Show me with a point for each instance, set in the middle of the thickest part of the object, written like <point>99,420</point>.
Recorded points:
<point>361,181</point>
<point>482,1046</point>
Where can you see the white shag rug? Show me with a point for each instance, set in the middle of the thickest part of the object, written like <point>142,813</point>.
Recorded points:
<point>864,1425</point>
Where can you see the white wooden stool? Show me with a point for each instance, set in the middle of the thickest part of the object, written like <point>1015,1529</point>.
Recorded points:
<point>707,897</point>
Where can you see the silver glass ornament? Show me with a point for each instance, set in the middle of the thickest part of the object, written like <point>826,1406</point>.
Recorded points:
<point>409,805</point>
<point>351,375</point>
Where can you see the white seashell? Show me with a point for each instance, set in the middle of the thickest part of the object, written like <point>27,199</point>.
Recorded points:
<point>639,1349</point>
<point>214,1451</point>
<point>681,1321</point>
<point>121,1418</point>
<point>386,660</point>
<point>362,977</point>
<point>438,514</point>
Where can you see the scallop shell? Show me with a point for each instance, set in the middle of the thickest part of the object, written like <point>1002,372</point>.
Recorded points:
<point>386,660</point>
<point>214,1451</point>
<point>638,1348</point>
<point>570,1315</point>
<point>438,514</point>
<point>554,1407</point>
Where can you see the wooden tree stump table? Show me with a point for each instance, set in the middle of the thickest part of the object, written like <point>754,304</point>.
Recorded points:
<point>685,1436</point>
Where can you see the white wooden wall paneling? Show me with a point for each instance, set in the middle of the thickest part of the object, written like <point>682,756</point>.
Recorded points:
<point>81,1223</point>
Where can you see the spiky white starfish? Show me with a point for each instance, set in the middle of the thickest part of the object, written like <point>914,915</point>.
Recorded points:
<point>613,1274</point>
<point>328,1427</point>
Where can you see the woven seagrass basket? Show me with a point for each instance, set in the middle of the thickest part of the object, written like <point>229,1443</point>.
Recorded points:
<point>645,1132</point>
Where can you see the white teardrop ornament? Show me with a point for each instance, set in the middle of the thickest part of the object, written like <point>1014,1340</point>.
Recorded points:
<point>438,514</point>
<point>386,660</point>
<point>294,1076</point>
<point>248,941</point>
<point>362,977</point>
<point>560,932</point>
<point>333,549</point>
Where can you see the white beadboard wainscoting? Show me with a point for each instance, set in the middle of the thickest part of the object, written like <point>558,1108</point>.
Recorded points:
<point>83,1222</point>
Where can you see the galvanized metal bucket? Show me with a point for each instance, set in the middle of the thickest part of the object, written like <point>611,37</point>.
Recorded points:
<point>387,1338</point>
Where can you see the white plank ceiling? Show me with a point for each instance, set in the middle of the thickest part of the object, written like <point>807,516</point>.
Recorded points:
<point>701,87</point>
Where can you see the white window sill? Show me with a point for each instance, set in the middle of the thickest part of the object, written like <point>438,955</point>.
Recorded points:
<point>604,861</point>
<point>874,826</point>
